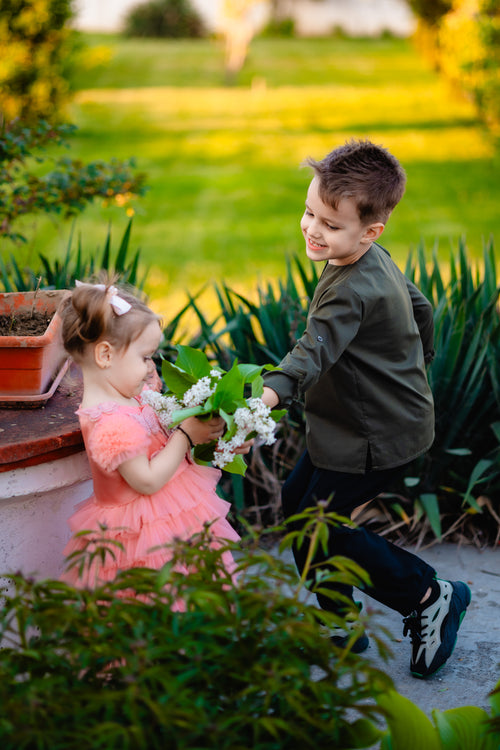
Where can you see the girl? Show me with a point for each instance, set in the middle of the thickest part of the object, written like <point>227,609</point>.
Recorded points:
<point>147,491</point>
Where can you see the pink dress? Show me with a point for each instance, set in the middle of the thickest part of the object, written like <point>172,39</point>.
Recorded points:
<point>112,434</point>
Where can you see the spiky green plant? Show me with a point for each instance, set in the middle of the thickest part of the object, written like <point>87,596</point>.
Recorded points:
<point>61,274</point>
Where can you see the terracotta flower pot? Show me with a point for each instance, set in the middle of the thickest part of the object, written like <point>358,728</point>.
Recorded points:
<point>30,365</point>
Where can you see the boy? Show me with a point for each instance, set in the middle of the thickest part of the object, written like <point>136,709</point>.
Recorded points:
<point>369,411</point>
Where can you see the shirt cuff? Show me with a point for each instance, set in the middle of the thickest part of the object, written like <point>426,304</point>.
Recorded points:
<point>284,385</point>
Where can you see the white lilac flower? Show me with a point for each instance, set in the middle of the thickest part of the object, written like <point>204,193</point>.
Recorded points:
<point>199,392</point>
<point>164,406</point>
<point>256,418</point>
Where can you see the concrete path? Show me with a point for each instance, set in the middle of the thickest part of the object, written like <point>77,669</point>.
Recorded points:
<point>474,667</point>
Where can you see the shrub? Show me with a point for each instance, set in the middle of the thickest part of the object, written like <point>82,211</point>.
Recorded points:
<point>164,18</point>
<point>244,665</point>
<point>67,189</point>
<point>465,381</point>
<point>469,54</point>
<point>37,47</point>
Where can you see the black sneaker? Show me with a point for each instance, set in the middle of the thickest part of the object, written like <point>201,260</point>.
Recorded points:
<point>351,634</point>
<point>357,646</point>
<point>434,628</point>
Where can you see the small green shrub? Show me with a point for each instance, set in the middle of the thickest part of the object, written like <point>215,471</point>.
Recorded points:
<point>165,19</point>
<point>245,664</point>
<point>67,189</point>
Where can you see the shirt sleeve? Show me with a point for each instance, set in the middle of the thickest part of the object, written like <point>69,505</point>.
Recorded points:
<point>330,329</point>
<point>115,438</point>
<point>424,318</point>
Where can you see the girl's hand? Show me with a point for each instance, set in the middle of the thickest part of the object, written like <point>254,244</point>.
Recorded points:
<point>203,432</point>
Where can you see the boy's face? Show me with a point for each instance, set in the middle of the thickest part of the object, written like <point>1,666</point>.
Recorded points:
<point>336,235</point>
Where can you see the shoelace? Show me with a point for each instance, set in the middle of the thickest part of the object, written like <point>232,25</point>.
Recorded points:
<point>413,625</point>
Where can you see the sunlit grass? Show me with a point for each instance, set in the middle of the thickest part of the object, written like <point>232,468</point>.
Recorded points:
<point>227,189</point>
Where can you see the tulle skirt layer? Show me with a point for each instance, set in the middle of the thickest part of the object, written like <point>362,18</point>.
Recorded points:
<point>145,526</point>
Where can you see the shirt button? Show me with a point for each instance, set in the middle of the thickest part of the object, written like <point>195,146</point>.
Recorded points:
<point>320,338</point>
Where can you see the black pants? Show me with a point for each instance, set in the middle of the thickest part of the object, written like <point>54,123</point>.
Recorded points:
<point>399,578</point>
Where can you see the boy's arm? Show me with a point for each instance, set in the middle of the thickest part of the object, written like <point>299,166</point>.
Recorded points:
<point>424,318</point>
<point>331,326</point>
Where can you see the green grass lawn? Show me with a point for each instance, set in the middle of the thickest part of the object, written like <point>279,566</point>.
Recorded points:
<point>226,186</point>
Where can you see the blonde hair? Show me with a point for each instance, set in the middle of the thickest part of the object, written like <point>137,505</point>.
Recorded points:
<point>89,317</point>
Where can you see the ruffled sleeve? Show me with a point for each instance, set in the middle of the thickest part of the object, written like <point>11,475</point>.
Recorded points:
<point>115,438</point>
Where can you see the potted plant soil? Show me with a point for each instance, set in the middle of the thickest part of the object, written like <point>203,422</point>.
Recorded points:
<point>32,356</point>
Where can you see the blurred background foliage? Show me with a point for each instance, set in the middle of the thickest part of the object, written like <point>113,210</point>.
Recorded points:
<point>223,162</point>
<point>217,243</point>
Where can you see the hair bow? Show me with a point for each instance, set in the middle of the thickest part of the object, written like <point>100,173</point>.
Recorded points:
<point>119,305</point>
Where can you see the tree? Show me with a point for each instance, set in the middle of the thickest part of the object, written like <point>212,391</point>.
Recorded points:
<point>36,44</point>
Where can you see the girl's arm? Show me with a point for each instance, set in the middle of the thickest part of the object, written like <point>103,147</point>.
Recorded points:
<point>149,475</point>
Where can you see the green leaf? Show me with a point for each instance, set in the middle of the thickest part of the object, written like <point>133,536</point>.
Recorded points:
<point>477,476</point>
<point>494,699</point>
<point>230,390</point>
<point>464,727</point>
<point>236,466</point>
<point>430,504</point>
<point>204,452</point>
<point>278,414</point>
<point>409,727</point>
<point>411,481</point>
<point>361,733</point>
<point>193,361</point>
<point>179,415</point>
<point>176,380</point>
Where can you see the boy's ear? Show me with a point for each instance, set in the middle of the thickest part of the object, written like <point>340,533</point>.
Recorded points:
<point>103,353</point>
<point>373,231</point>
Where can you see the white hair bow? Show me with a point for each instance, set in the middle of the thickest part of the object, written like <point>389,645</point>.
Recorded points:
<point>119,305</point>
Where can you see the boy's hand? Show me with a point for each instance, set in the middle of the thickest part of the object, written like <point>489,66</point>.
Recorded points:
<point>270,397</point>
<point>245,447</point>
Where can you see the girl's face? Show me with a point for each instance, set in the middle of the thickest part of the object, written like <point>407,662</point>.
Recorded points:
<point>129,368</point>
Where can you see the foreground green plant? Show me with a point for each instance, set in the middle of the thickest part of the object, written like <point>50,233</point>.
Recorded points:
<point>245,664</point>
<point>465,728</point>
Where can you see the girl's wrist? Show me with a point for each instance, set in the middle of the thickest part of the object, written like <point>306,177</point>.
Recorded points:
<point>188,438</point>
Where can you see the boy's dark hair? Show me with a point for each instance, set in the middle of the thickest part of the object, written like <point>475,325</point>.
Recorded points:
<point>364,171</point>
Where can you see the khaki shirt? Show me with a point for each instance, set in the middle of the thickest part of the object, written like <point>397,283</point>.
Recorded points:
<point>361,366</point>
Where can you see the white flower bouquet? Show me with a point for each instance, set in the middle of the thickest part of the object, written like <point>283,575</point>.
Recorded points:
<point>198,389</point>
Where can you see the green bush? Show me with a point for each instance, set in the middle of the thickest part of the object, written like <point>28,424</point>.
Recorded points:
<point>465,381</point>
<point>245,664</point>
<point>164,18</point>
<point>67,189</point>
<point>37,47</point>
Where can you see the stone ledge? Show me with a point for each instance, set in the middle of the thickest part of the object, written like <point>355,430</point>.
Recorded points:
<point>29,437</point>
